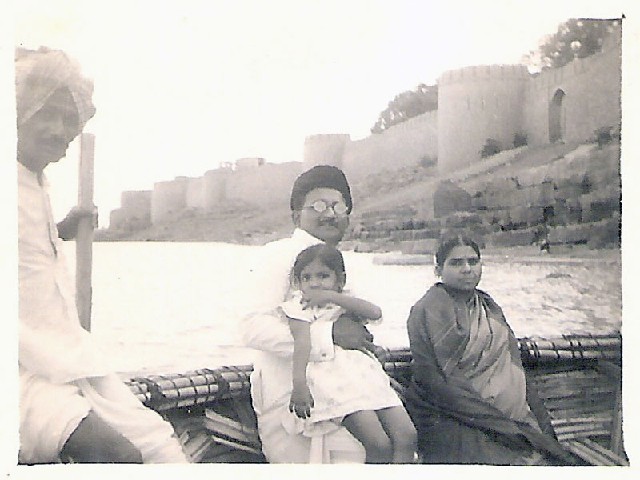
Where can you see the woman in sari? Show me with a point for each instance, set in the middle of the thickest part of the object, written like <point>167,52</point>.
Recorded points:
<point>468,397</point>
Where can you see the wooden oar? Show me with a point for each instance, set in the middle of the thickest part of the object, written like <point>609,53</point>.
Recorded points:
<point>84,237</point>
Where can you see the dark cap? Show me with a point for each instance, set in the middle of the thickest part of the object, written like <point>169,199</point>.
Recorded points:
<point>320,176</point>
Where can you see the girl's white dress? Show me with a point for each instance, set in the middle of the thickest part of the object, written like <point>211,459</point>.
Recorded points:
<point>349,382</point>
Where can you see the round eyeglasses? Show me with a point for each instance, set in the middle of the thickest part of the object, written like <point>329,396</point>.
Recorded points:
<point>320,206</point>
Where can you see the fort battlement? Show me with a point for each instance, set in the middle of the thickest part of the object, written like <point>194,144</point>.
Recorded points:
<point>504,103</point>
<point>483,72</point>
<point>475,103</point>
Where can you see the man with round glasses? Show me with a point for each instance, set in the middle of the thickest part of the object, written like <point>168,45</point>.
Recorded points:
<point>320,204</point>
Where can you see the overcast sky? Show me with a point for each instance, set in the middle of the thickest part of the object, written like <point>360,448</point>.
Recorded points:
<point>183,85</point>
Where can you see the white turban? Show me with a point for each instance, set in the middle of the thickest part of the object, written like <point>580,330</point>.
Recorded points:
<point>39,73</point>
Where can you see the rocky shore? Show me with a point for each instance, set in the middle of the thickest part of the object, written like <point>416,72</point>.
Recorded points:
<point>560,195</point>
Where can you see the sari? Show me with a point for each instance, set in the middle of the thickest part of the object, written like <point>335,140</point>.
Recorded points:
<point>468,395</point>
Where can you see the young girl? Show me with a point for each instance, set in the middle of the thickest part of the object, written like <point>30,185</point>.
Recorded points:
<point>351,388</point>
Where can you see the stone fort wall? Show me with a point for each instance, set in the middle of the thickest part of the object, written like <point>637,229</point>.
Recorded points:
<point>267,184</point>
<point>263,184</point>
<point>474,103</point>
<point>589,89</point>
<point>400,146</point>
<point>493,101</point>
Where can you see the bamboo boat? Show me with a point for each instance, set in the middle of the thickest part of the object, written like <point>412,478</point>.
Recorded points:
<point>578,377</point>
<point>579,380</point>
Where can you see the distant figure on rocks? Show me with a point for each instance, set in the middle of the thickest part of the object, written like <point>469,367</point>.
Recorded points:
<point>545,245</point>
<point>73,408</point>
<point>317,199</point>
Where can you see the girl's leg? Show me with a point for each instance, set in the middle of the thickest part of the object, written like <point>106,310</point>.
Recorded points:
<point>365,426</point>
<point>399,427</point>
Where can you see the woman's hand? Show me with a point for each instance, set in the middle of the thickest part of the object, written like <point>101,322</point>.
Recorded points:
<point>301,401</point>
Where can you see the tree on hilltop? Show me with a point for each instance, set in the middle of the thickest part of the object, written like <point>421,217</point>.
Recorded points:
<point>575,38</point>
<point>407,105</point>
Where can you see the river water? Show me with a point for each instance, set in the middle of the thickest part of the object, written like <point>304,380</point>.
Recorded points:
<point>171,307</point>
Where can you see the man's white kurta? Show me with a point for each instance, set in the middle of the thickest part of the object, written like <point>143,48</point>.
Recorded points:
<point>53,344</point>
<point>63,375</point>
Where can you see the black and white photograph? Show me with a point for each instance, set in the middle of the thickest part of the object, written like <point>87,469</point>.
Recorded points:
<point>214,202</point>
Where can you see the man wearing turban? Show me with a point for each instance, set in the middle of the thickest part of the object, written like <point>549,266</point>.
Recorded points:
<point>72,406</point>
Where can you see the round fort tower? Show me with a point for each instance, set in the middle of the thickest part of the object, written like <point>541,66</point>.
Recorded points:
<point>168,197</point>
<point>325,149</point>
<point>476,103</point>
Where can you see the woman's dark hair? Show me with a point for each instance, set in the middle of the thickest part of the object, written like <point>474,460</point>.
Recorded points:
<point>329,256</point>
<point>320,176</point>
<point>449,243</point>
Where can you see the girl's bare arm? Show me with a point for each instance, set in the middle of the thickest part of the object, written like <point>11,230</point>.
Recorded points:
<point>301,399</point>
<point>357,306</point>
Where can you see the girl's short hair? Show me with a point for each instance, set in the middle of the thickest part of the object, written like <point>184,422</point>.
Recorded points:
<point>329,256</point>
<point>449,243</point>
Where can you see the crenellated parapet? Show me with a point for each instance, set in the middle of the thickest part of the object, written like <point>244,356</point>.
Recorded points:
<point>477,73</point>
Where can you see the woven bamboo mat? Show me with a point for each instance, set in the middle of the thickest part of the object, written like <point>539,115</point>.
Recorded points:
<point>576,377</point>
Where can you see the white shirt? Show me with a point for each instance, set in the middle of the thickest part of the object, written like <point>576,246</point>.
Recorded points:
<point>52,343</point>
